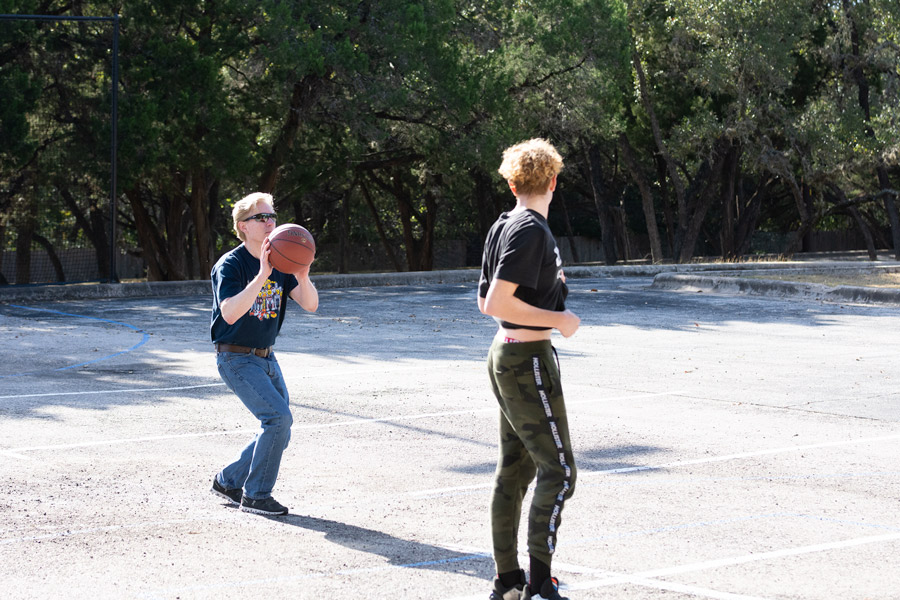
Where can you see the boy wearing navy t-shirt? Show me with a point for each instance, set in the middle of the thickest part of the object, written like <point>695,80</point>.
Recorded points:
<point>249,303</point>
<point>523,287</point>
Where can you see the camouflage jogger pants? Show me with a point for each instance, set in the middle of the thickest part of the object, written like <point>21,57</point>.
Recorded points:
<point>534,439</point>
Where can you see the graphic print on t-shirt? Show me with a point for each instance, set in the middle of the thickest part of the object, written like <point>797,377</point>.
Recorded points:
<point>559,271</point>
<point>268,301</point>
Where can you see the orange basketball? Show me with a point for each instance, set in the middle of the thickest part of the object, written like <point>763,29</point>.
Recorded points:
<point>292,247</point>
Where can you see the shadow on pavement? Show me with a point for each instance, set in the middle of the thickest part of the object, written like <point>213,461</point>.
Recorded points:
<point>400,553</point>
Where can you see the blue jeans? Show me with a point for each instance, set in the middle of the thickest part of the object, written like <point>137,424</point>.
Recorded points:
<point>260,386</point>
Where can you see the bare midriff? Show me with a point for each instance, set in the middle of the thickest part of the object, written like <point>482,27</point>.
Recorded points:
<point>524,335</point>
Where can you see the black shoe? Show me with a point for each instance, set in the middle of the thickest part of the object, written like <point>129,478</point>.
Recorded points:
<point>233,496</point>
<point>549,591</point>
<point>501,592</point>
<point>266,506</point>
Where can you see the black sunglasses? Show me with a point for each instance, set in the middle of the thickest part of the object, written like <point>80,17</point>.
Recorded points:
<point>261,217</point>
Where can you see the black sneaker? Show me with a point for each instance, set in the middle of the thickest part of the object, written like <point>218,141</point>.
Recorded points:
<point>266,506</point>
<point>501,592</point>
<point>549,591</point>
<point>233,496</point>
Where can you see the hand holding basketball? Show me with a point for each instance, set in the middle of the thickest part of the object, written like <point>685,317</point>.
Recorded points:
<point>292,248</point>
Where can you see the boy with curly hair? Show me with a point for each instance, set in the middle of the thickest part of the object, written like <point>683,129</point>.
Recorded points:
<point>523,287</point>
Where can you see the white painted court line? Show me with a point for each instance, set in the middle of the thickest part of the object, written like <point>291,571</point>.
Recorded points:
<point>680,463</point>
<point>105,392</point>
<point>648,578</point>
<point>691,590</point>
<point>103,529</point>
<point>204,385</point>
<point>11,454</point>
<point>296,427</point>
<point>751,454</point>
<point>736,560</point>
<point>154,438</point>
<point>644,578</point>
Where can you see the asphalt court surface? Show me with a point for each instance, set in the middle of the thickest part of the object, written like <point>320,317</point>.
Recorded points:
<point>728,447</point>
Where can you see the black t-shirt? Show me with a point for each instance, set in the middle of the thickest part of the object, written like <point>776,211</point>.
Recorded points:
<point>520,248</point>
<point>259,327</point>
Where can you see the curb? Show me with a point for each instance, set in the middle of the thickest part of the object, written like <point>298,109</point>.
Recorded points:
<point>666,276</point>
<point>772,288</point>
<point>144,289</point>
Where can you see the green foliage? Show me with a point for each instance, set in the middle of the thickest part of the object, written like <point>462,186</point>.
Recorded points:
<point>398,110</point>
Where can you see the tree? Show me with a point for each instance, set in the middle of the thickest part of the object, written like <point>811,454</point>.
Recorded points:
<point>724,70</point>
<point>865,54</point>
<point>55,133</point>
<point>381,123</point>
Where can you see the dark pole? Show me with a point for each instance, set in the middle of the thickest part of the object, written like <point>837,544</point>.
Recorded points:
<point>113,246</point>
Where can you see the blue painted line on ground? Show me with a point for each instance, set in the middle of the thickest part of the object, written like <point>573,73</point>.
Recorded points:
<point>144,339</point>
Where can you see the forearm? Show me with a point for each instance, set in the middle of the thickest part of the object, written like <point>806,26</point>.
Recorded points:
<point>306,294</point>
<point>514,310</point>
<point>240,304</point>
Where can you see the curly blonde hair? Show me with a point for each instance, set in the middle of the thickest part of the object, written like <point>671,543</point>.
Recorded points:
<point>531,165</point>
<point>243,207</point>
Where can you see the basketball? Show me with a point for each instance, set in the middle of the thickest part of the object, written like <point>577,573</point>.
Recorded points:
<point>292,247</point>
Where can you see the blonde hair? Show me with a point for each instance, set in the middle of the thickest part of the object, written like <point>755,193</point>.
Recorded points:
<point>243,207</point>
<point>531,165</point>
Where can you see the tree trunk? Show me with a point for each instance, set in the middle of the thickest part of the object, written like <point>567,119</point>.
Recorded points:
<point>385,242</point>
<point>175,211</point>
<point>620,222</point>
<point>882,240</point>
<point>569,233</point>
<point>487,205</point>
<point>729,212</point>
<point>862,86</point>
<point>748,218</point>
<point>304,95</point>
<point>656,254</point>
<point>94,227</point>
<point>419,250</point>
<point>666,202</point>
<point>702,193</point>
<point>704,197</point>
<point>841,199</point>
<point>671,167</point>
<point>200,212</point>
<point>344,232</point>
<point>890,206</point>
<point>864,229</point>
<point>25,230</point>
<point>152,248</point>
<point>3,280</point>
<point>800,194</point>
<point>604,211</point>
<point>51,254</point>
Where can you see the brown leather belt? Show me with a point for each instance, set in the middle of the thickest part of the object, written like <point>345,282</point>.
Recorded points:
<point>260,352</point>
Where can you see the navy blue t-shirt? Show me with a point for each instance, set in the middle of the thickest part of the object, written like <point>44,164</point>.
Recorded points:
<point>520,248</point>
<point>259,327</point>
